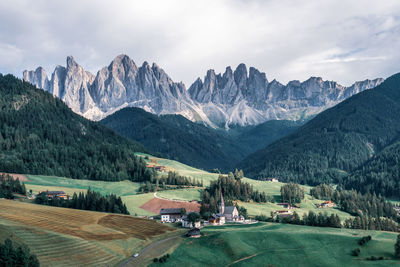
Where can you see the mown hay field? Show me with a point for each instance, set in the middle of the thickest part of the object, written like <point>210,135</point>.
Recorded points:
<point>68,237</point>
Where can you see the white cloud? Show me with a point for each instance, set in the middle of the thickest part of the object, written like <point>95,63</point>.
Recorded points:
<point>337,40</point>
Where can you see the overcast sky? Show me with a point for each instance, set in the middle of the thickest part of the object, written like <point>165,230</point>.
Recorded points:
<point>338,40</point>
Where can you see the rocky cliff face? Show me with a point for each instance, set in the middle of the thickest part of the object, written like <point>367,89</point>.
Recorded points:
<point>235,97</point>
<point>248,98</point>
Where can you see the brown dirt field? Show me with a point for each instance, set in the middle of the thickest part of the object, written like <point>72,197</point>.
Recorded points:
<point>156,204</point>
<point>87,225</point>
<point>21,177</point>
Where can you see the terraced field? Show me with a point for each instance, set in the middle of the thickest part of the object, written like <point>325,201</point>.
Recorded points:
<point>68,237</point>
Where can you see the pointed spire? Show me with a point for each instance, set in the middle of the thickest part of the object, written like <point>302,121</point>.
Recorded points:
<point>221,206</point>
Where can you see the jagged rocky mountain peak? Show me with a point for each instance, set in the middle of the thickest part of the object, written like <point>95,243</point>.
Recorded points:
<point>241,96</point>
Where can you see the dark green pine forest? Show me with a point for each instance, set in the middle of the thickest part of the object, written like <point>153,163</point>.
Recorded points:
<point>355,143</point>
<point>39,134</point>
<point>175,137</point>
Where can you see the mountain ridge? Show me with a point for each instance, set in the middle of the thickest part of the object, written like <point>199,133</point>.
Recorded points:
<point>235,97</point>
<point>176,137</point>
<point>353,143</point>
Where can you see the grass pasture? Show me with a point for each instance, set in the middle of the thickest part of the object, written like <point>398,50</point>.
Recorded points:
<point>267,244</point>
<point>183,169</point>
<point>123,188</point>
<point>187,194</point>
<point>270,188</point>
<point>68,237</point>
<point>129,190</point>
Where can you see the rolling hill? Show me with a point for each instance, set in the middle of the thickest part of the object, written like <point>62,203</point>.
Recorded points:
<point>39,134</point>
<point>282,245</point>
<point>345,140</point>
<point>178,138</point>
<point>69,237</point>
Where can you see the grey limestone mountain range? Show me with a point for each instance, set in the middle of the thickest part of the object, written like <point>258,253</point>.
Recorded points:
<point>240,97</point>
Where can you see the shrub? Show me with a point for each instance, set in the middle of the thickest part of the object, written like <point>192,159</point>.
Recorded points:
<point>356,252</point>
<point>364,240</point>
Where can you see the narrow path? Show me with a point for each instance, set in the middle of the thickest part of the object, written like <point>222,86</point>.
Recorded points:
<point>242,259</point>
<point>131,260</point>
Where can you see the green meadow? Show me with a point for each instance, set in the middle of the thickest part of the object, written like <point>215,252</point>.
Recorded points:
<point>129,190</point>
<point>269,244</point>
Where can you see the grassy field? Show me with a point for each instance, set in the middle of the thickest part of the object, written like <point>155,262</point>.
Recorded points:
<point>133,203</point>
<point>68,237</point>
<point>128,190</point>
<point>188,194</point>
<point>183,169</point>
<point>267,244</point>
<point>123,188</point>
<point>270,188</point>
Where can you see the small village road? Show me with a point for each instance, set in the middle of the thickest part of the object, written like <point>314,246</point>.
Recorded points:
<point>131,260</point>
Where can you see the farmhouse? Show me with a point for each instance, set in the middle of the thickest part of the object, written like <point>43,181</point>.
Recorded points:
<point>55,194</point>
<point>217,219</point>
<point>187,224</point>
<point>172,215</point>
<point>327,204</point>
<point>283,213</point>
<point>194,232</point>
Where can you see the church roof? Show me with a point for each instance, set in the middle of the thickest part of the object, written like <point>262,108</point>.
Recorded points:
<point>171,211</point>
<point>229,209</point>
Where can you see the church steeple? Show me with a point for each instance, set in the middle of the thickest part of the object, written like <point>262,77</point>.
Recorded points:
<point>221,204</point>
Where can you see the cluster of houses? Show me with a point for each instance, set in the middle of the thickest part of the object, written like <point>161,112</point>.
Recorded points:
<point>225,214</point>
<point>326,204</point>
<point>55,194</point>
<point>156,167</point>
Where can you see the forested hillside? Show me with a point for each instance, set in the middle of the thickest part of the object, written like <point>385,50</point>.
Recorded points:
<point>178,138</point>
<point>39,134</point>
<point>351,138</point>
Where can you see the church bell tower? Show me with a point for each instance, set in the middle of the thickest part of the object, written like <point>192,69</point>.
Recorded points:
<point>221,205</point>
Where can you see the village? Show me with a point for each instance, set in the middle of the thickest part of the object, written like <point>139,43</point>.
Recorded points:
<point>192,220</point>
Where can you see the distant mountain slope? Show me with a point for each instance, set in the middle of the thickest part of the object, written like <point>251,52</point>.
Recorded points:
<point>238,97</point>
<point>39,134</point>
<point>336,142</point>
<point>380,175</point>
<point>176,137</point>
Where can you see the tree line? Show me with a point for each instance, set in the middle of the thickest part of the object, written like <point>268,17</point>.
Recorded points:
<point>355,203</point>
<point>9,186</point>
<point>232,188</point>
<point>90,201</point>
<point>11,255</point>
<point>292,193</point>
<point>164,182</point>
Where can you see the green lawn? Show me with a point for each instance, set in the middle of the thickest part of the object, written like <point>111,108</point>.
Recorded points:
<point>267,244</point>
